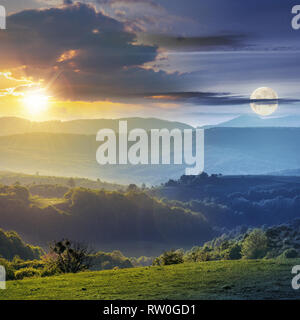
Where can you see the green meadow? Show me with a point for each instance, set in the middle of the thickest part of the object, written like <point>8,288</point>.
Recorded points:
<point>241,279</point>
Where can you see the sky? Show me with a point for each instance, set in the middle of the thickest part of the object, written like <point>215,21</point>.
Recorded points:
<point>195,61</point>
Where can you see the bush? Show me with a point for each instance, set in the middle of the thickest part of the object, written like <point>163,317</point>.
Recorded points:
<point>69,257</point>
<point>105,260</point>
<point>17,263</point>
<point>169,257</point>
<point>233,252</point>
<point>49,271</point>
<point>27,273</point>
<point>255,245</point>
<point>199,254</point>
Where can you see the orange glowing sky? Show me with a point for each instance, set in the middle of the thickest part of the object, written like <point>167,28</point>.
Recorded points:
<point>19,96</point>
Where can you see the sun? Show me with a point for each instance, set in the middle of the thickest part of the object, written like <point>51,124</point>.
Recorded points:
<point>35,102</point>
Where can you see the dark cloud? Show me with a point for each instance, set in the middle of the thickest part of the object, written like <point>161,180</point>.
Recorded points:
<point>128,2</point>
<point>265,18</point>
<point>193,43</point>
<point>93,53</point>
<point>141,15</point>
<point>267,23</point>
<point>212,98</point>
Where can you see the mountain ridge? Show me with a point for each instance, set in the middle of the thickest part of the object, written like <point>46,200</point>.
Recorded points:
<point>15,125</point>
<point>227,151</point>
<point>247,121</point>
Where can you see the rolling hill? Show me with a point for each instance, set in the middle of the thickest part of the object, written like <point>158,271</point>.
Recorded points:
<point>242,279</point>
<point>132,222</point>
<point>13,125</point>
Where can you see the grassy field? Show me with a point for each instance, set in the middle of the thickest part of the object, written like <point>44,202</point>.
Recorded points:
<point>256,279</point>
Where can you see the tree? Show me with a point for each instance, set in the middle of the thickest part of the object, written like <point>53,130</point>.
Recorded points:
<point>169,257</point>
<point>255,245</point>
<point>203,175</point>
<point>132,187</point>
<point>233,252</point>
<point>70,257</point>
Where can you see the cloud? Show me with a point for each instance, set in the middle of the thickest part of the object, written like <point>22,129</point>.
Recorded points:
<point>129,2</point>
<point>93,54</point>
<point>13,6</point>
<point>83,54</point>
<point>192,43</point>
<point>11,86</point>
<point>142,15</point>
<point>212,98</point>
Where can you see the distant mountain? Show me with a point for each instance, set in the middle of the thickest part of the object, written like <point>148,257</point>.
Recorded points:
<point>11,125</point>
<point>251,150</point>
<point>228,151</point>
<point>289,172</point>
<point>245,121</point>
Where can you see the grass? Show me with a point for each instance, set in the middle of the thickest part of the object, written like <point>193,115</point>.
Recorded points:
<point>46,202</point>
<point>252,279</point>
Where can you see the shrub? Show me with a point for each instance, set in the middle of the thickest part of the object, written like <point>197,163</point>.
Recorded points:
<point>233,252</point>
<point>49,271</point>
<point>202,255</point>
<point>169,257</point>
<point>156,262</point>
<point>255,245</point>
<point>27,273</point>
<point>105,260</point>
<point>69,257</point>
<point>199,254</point>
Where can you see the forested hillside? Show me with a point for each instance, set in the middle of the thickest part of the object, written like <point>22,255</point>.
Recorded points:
<point>132,221</point>
<point>12,245</point>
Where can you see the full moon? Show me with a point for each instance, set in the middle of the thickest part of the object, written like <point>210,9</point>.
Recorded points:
<point>259,106</point>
